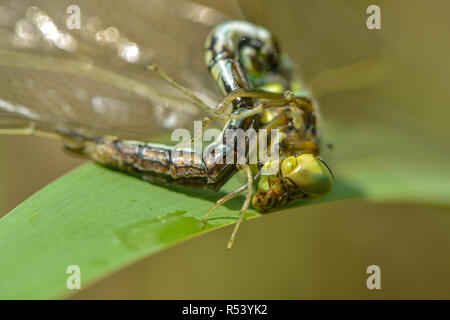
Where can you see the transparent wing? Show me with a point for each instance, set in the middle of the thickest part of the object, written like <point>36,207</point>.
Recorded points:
<point>328,41</point>
<point>93,78</point>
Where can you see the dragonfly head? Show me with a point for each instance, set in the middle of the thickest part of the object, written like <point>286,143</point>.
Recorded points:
<point>299,177</point>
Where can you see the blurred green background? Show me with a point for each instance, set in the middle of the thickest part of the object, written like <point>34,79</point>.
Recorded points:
<point>390,89</point>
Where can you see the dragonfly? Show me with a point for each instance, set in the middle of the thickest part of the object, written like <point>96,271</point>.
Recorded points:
<point>255,79</point>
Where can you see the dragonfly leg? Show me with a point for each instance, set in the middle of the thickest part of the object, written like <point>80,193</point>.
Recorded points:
<point>18,131</point>
<point>260,107</point>
<point>204,124</point>
<point>221,201</point>
<point>295,105</point>
<point>288,101</point>
<point>288,97</point>
<point>245,205</point>
<point>247,93</point>
<point>197,135</point>
<point>31,130</point>
<point>297,118</point>
<point>240,93</point>
<point>272,100</point>
<point>188,93</point>
<point>218,110</point>
<point>228,197</point>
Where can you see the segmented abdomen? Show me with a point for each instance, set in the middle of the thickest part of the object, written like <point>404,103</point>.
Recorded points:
<point>223,47</point>
<point>153,162</point>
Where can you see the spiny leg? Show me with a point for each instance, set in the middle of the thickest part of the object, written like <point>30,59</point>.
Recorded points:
<point>244,207</point>
<point>296,105</point>
<point>289,102</point>
<point>297,118</point>
<point>221,201</point>
<point>227,198</point>
<point>188,93</point>
<point>18,131</point>
<point>264,105</point>
<point>239,93</point>
<point>275,100</point>
<point>221,107</point>
<point>259,107</point>
<point>31,130</point>
<point>204,124</point>
<point>197,135</point>
<point>194,98</point>
<point>246,93</point>
<point>217,112</point>
<point>287,98</point>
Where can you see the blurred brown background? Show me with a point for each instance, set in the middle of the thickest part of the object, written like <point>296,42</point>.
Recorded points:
<point>26,165</point>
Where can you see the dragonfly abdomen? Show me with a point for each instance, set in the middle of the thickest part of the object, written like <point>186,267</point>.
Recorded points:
<point>236,48</point>
<point>158,163</point>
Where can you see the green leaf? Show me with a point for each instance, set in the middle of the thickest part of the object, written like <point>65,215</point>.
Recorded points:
<point>100,220</point>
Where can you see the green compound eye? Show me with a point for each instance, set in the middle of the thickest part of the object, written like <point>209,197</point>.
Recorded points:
<point>288,165</point>
<point>310,174</point>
